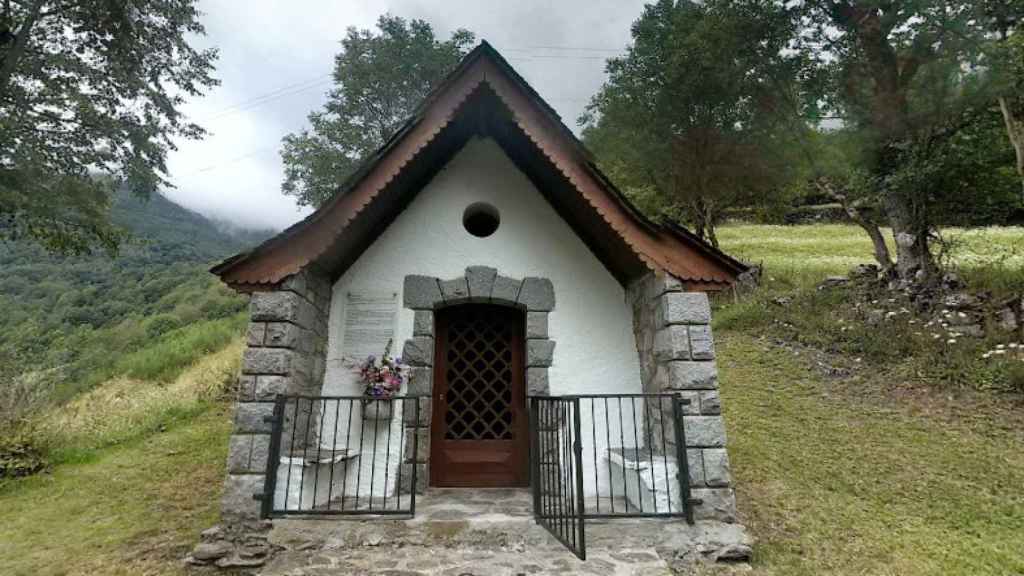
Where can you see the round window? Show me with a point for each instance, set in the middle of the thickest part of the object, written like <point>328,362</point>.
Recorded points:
<point>481,219</point>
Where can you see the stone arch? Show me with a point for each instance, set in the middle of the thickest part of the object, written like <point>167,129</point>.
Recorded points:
<point>482,284</point>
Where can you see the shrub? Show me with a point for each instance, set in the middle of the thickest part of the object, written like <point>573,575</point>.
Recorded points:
<point>19,456</point>
<point>161,324</point>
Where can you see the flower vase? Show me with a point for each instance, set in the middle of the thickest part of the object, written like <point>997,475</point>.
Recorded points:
<point>374,409</point>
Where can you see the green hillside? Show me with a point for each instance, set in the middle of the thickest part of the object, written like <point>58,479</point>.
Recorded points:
<point>70,322</point>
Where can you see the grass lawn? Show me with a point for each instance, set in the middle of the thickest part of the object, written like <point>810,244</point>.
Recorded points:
<point>134,509</point>
<point>138,472</point>
<point>801,255</point>
<point>833,483</point>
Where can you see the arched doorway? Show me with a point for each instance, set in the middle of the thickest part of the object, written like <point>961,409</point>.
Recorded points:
<point>479,430</point>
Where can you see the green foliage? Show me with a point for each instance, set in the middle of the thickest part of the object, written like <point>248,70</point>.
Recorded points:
<point>911,78</point>
<point>71,322</point>
<point>693,120</point>
<point>85,90</point>
<point>168,355</point>
<point>379,79</point>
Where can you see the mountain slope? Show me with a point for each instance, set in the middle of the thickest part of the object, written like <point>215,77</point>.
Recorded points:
<point>65,316</point>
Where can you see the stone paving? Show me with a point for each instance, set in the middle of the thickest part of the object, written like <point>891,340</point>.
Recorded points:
<point>461,561</point>
<point>485,533</point>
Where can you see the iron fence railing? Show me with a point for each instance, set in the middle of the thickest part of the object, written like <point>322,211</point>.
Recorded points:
<point>609,456</point>
<point>342,455</point>
<point>633,456</point>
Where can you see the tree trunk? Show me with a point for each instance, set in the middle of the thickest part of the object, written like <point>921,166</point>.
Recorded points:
<point>1015,130</point>
<point>914,258</point>
<point>705,221</point>
<point>712,236</point>
<point>882,255</point>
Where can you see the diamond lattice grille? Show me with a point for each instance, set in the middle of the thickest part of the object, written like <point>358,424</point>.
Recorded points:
<point>479,373</point>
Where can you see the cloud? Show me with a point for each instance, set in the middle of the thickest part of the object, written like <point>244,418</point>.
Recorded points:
<point>275,62</point>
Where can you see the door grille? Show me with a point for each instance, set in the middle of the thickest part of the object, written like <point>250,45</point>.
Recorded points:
<point>479,375</point>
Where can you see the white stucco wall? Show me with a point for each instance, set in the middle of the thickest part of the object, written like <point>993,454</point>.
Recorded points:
<point>595,350</point>
<point>591,324</point>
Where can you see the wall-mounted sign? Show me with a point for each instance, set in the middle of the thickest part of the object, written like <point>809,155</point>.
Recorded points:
<point>369,324</point>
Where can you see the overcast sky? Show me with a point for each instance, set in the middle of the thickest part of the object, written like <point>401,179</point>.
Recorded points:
<point>275,64</point>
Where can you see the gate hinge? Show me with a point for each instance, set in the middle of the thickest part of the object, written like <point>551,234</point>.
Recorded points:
<point>272,419</point>
<point>696,501</point>
<point>260,496</point>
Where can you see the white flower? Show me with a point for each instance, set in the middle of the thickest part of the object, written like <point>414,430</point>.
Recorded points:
<point>961,314</point>
<point>1000,352</point>
<point>986,355</point>
<point>951,341</point>
<point>1013,344</point>
<point>1000,346</point>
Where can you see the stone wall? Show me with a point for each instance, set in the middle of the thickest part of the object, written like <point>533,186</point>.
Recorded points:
<point>677,355</point>
<point>286,343</point>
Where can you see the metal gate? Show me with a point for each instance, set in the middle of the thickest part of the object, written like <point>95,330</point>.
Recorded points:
<point>558,470</point>
<point>629,450</point>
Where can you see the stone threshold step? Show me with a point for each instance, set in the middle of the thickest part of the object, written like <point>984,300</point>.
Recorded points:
<point>431,561</point>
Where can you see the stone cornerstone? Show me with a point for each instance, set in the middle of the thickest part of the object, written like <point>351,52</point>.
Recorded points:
<point>286,343</point>
<point>677,355</point>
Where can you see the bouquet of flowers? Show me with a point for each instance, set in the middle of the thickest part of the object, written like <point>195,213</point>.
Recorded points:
<point>382,380</point>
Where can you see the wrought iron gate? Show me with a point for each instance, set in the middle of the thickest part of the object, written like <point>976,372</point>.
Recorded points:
<point>629,451</point>
<point>558,470</point>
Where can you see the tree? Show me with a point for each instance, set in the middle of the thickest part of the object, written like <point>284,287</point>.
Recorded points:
<point>379,79</point>
<point>909,76</point>
<point>696,110</point>
<point>1006,60</point>
<point>89,101</point>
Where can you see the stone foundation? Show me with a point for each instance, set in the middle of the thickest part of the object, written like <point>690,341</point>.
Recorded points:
<point>677,355</point>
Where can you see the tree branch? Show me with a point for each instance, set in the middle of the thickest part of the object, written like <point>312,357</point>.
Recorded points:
<point>1015,130</point>
<point>13,56</point>
<point>852,210</point>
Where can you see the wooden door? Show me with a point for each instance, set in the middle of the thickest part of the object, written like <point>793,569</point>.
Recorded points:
<point>479,434</point>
